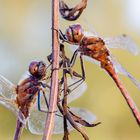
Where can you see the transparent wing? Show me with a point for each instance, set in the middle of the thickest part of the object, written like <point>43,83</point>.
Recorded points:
<point>76,90</point>
<point>73,47</point>
<point>8,96</point>
<point>89,27</point>
<point>119,68</point>
<point>36,121</point>
<point>123,42</point>
<point>7,89</point>
<point>9,104</point>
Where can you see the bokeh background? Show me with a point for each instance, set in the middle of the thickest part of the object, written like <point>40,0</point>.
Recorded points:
<point>25,35</point>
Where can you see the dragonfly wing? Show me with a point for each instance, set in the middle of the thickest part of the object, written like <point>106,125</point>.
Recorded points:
<point>73,47</point>
<point>123,42</point>
<point>7,89</point>
<point>9,105</point>
<point>90,27</point>
<point>120,69</point>
<point>36,121</point>
<point>76,90</point>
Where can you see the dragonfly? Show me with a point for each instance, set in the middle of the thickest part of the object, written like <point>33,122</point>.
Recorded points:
<point>96,48</point>
<point>29,105</point>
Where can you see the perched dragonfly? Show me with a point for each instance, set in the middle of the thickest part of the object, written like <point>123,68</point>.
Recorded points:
<point>97,48</point>
<point>24,94</point>
<point>21,100</point>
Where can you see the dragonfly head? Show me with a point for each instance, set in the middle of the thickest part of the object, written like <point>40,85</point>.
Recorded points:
<point>75,33</point>
<point>37,69</point>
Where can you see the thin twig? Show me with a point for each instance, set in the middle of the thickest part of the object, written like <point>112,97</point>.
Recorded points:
<point>55,65</point>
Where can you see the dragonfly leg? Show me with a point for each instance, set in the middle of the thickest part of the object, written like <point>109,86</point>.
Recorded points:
<point>82,77</point>
<point>77,75</point>
<point>73,73</point>
<point>39,107</point>
<point>61,35</point>
<point>82,70</point>
<point>49,65</point>
<point>82,67</point>
<point>73,59</point>
<point>45,85</point>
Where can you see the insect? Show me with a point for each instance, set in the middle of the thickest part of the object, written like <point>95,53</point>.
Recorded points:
<point>24,94</point>
<point>96,48</point>
<point>21,100</point>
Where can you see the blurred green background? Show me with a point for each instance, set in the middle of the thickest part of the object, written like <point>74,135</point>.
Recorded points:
<point>25,35</point>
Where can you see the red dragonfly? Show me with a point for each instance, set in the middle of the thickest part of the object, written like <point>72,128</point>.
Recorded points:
<point>96,48</point>
<point>21,100</point>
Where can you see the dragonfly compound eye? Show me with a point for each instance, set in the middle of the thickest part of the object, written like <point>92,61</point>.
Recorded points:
<point>74,33</point>
<point>33,68</point>
<point>37,69</point>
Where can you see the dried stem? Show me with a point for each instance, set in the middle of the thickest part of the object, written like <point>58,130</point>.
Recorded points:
<point>74,13</point>
<point>19,129</point>
<point>55,65</point>
<point>64,102</point>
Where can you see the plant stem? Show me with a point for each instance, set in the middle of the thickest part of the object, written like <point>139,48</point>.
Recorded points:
<point>54,80</point>
<point>19,129</point>
<point>64,102</point>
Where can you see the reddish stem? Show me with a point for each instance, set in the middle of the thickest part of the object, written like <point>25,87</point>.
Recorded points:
<point>55,65</point>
